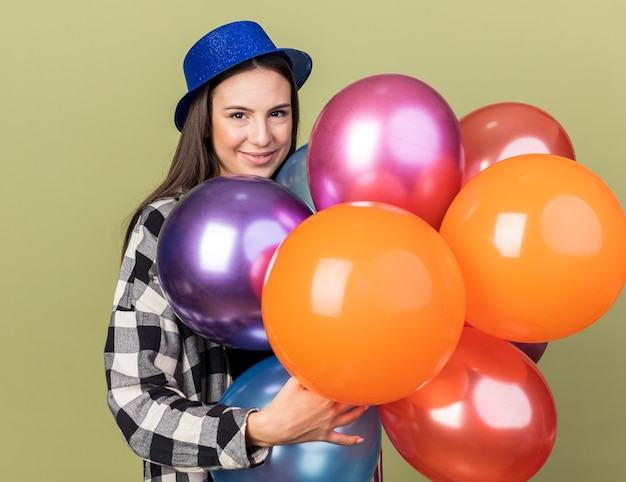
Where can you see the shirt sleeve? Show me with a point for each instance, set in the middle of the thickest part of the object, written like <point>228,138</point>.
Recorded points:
<point>152,360</point>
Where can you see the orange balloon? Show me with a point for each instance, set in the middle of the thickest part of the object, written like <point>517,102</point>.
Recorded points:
<point>363,303</point>
<point>508,129</point>
<point>541,244</point>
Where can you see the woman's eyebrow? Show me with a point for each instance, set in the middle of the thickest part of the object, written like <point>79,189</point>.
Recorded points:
<point>248,109</point>
<point>237,107</point>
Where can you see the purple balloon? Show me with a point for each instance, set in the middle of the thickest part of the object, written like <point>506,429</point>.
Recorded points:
<point>213,252</point>
<point>304,462</point>
<point>534,351</point>
<point>388,138</point>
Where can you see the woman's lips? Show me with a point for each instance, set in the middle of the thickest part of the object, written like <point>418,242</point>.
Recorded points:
<point>258,158</point>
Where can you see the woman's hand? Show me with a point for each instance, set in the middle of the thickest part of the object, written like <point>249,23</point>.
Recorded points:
<point>297,415</point>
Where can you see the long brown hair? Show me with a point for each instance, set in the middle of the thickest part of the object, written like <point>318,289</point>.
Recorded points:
<point>195,160</point>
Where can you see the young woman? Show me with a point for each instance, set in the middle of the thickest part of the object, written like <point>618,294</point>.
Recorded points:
<point>239,116</point>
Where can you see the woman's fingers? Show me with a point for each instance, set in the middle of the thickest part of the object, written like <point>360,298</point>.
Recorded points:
<point>298,415</point>
<point>343,439</point>
<point>349,416</point>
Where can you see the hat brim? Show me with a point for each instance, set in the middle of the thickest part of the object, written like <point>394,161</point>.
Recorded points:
<point>300,63</point>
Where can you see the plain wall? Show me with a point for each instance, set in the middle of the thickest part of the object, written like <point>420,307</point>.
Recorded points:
<point>87,99</point>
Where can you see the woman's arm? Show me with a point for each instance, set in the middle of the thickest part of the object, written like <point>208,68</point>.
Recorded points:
<point>152,367</point>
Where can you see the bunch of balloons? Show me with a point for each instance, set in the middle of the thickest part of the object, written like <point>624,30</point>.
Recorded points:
<point>408,259</point>
<point>538,238</point>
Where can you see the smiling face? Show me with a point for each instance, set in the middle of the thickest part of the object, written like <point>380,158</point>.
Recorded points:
<point>251,118</point>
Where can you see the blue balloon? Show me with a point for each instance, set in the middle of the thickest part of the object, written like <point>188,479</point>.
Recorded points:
<point>305,462</point>
<point>292,175</point>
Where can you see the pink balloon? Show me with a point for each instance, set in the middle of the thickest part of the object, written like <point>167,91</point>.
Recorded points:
<point>387,138</point>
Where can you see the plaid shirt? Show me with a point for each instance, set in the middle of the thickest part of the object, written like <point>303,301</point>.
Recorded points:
<point>164,381</point>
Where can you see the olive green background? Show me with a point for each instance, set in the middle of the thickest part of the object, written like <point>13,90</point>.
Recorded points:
<point>87,97</point>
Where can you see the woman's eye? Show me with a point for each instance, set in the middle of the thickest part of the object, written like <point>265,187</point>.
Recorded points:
<point>278,113</point>
<point>237,115</point>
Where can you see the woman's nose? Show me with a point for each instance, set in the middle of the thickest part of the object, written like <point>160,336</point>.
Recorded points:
<point>260,133</point>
